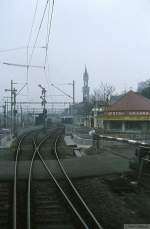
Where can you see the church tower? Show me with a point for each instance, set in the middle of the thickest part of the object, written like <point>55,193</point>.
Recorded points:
<point>85,88</point>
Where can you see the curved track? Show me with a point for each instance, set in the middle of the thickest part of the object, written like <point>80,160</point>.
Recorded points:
<point>91,218</point>
<point>72,199</point>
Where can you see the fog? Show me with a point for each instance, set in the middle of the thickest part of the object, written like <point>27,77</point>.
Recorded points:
<point>112,37</point>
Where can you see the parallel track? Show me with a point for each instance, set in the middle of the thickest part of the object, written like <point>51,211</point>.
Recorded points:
<point>79,210</point>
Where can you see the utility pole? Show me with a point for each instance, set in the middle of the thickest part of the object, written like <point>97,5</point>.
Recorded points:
<point>13,91</point>
<point>14,112</point>
<point>7,119</point>
<point>5,115</point>
<point>21,119</point>
<point>73,85</point>
<point>43,97</point>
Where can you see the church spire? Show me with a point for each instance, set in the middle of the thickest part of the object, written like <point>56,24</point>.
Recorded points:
<point>85,75</point>
<point>85,86</point>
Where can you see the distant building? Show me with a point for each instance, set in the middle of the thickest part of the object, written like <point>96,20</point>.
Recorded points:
<point>130,113</point>
<point>85,88</point>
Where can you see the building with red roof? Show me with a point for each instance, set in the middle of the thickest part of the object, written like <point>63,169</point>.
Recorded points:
<point>131,112</point>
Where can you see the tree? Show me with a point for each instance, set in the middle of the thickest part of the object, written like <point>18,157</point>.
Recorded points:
<point>146,92</point>
<point>142,85</point>
<point>103,93</point>
<point>144,88</point>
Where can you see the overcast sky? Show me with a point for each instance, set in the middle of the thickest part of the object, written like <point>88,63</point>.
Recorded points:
<point>112,37</point>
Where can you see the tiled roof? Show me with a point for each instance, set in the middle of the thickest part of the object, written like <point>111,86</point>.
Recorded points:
<point>131,102</point>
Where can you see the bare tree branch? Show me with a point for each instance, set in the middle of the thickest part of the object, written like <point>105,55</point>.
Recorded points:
<point>103,93</point>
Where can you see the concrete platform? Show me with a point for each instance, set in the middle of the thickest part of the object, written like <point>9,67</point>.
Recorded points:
<point>76,148</point>
<point>78,152</point>
<point>77,167</point>
<point>72,142</point>
<point>69,142</point>
<point>82,142</point>
<point>5,142</point>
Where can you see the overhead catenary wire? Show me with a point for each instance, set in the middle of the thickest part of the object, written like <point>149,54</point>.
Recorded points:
<point>29,39</point>
<point>23,65</point>
<point>33,21</point>
<point>63,92</point>
<point>50,18</point>
<point>19,48</point>
<point>47,81</point>
<point>39,29</point>
<point>49,27</point>
<point>29,58</point>
<point>21,88</point>
<point>12,49</point>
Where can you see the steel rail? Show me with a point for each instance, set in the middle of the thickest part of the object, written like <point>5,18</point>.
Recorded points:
<point>29,184</point>
<point>29,192</point>
<point>15,184</point>
<point>62,192</point>
<point>37,151</point>
<point>71,184</point>
<point>74,188</point>
<point>29,180</point>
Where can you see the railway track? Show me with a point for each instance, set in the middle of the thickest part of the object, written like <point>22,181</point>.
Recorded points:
<point>5,205</point>
<point>47,204</point>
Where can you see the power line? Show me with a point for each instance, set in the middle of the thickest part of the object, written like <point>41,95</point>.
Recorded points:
<point>30,34</point>
<point>33,21</point>
<point>23,65</point>
<point>13,49</point>
<point>21,88</point>
<point>49,25</point>
<point>20,48</point>
<point>66,94</point>
<point>39,30</point>
<point>48,21</point>
<point>49,29</point>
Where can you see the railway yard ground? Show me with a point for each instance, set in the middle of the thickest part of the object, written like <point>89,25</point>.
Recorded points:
<point>115,197</point>
<point>118,196</point>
